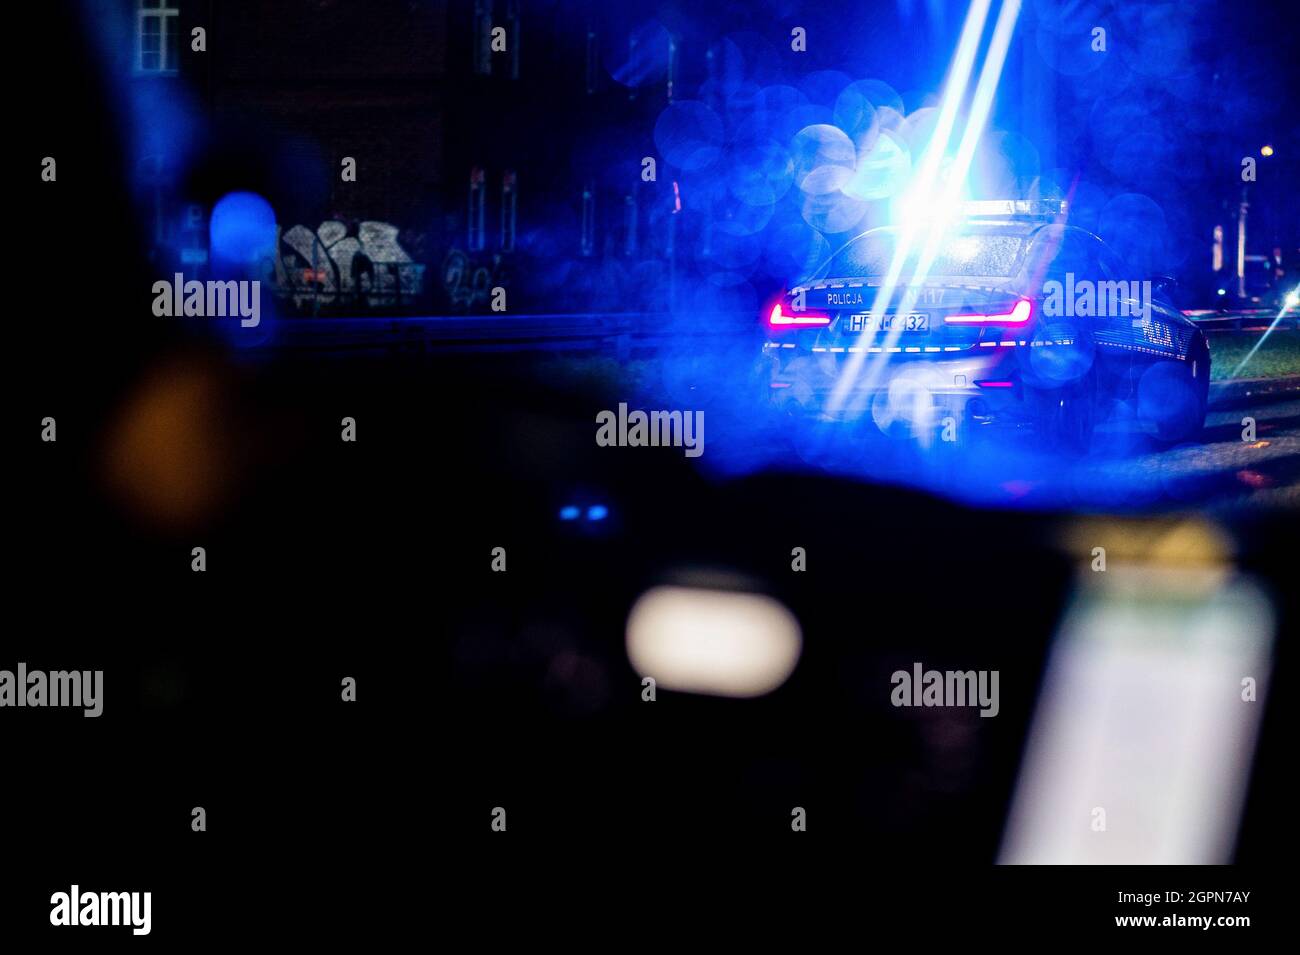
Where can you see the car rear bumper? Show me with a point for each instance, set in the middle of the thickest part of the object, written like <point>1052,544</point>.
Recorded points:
<point>979,384</point>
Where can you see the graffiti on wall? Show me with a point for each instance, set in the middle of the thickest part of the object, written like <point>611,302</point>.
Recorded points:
<point>362,262</point>
<point>469,285</point>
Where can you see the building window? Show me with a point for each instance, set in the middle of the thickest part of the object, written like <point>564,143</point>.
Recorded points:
<point>630,224</point>
<point>632,58</point>
<point>157,46</point>
<point>593,61</point>
<point>509,197</point>
<point>672,66</point>
<point>512,31</point>
<point>477,209</point>
<point>483,37</point>
<point>588,237</point>
<point>151,178</point>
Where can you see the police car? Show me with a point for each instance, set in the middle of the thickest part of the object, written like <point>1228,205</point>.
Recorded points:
<point>1003,314</point>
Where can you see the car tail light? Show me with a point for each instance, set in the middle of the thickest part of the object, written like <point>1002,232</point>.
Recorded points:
<point>1017,314</point>
<point>779,319</point>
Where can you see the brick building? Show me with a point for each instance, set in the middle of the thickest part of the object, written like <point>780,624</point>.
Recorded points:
<point>490,145</point>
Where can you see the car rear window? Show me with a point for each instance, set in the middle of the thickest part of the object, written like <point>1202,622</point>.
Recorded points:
<point>963,254</point>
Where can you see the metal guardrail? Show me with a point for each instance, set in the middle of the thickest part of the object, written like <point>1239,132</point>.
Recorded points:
<point>618,334</point>
<point>1241,320</point>
<point>1225,394</point>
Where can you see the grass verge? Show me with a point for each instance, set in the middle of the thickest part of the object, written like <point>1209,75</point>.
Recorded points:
<point>1277,357</point>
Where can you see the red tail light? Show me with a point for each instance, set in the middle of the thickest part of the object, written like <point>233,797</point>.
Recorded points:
<point>1019,314</point>
<point>778,318</point>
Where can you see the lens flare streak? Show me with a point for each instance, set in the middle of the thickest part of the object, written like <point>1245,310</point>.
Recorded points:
<point>933,178</point>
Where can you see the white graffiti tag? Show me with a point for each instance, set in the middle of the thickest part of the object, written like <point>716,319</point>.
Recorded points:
<point>334,262</point>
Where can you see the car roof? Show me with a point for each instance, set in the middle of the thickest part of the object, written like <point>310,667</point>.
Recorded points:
<point>982,226</point>
<point>1015,227</point>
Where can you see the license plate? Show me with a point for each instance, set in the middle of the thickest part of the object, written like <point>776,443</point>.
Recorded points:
<point>909,322</point>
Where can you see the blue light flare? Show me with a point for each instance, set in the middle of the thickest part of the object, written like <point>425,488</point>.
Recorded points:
<point>926,182</point>
<point>242,228</point>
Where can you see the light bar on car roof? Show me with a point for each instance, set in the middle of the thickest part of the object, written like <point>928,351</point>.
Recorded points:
<point>1014,208</point>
